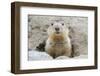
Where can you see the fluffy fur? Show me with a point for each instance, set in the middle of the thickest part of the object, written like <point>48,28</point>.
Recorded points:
<point>58,42</point>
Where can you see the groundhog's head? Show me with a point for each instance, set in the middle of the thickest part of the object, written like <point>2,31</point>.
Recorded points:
<point>57,28</point>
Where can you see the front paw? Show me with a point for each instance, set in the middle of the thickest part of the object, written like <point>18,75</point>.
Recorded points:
<point>62,57</point>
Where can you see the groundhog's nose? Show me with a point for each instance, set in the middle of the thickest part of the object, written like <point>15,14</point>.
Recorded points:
<point>57,29</point>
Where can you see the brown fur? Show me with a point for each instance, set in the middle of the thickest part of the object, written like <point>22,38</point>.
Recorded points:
<point>58,44</point>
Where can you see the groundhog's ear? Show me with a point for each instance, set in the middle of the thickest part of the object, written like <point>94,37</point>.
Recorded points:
<point>63,24</point>
<point>51,24</point>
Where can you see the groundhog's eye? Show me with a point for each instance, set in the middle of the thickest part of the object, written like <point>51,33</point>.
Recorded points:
<point>62,23</point>
<point>52,24</point>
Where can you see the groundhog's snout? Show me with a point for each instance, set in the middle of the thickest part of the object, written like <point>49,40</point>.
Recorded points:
<point>57,28</point>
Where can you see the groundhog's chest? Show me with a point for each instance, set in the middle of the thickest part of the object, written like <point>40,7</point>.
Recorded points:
<point>57,46</point>
<point>56,49</point>
<point>58,42</point>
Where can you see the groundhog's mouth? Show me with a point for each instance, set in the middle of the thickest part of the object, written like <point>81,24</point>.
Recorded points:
<point>57,32</point>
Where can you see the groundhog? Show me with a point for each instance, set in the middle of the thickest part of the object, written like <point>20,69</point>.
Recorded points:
<point>58,42</point>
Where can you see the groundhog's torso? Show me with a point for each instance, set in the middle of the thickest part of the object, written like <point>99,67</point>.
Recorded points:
<point>58,46</point>
<point>58,42</point>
